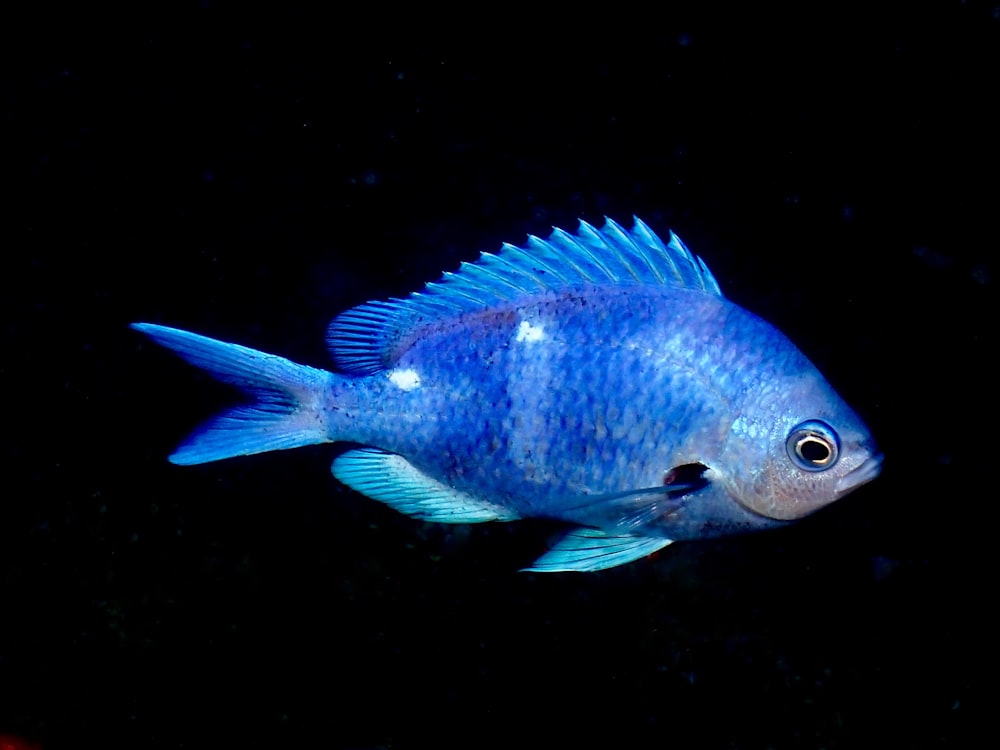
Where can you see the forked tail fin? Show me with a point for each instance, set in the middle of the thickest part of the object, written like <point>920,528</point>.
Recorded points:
<point>287,411</point>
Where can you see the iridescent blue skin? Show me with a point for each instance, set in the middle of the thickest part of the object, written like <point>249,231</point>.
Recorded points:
<point>619,386</point>
<point>599,378</point>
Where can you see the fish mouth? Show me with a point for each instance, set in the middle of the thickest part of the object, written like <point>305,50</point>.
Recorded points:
<point>866,472</point>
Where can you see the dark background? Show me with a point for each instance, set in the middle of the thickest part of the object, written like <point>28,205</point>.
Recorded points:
<point>249,175</point>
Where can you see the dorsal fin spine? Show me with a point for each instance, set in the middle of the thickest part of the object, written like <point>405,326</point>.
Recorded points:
<point>542,246</point>
<point>624,238</point>
<point>485,267</point>
<point>519,271</point>
<point>647,240</point>
<point>535,261</point>
<point>579,248</point>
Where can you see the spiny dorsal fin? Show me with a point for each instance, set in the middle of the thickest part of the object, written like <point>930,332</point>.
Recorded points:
<point>362,339</point>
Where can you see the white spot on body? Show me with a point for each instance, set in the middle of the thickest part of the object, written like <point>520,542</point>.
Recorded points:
<point>405,380</point>
<point>530,334</point>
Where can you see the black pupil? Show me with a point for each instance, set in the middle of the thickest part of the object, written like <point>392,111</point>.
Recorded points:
<point>814,450</point>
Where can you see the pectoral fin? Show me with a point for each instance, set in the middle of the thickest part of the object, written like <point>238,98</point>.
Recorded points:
<point>586,550</point>
<point>629,511</point>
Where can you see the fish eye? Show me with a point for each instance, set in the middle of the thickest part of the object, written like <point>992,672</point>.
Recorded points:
<point>813,446</point>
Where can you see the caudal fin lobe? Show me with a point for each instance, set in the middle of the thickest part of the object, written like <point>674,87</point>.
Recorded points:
<point>286,412</point>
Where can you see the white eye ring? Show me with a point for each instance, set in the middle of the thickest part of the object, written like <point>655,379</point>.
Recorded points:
<point>813,446</point>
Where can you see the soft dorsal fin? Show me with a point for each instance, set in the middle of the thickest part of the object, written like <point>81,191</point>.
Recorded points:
<point>363,339</point>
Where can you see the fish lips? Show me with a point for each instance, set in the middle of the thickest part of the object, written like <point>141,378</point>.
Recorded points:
<point>864,473</point>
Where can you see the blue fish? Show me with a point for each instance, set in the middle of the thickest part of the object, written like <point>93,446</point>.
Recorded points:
<point>598,378</point>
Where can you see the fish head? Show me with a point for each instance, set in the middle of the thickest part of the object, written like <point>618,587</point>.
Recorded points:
<point>796,447</point>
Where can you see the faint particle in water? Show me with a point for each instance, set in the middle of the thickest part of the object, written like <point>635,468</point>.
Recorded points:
<point>981,274</point>
<point>883,567</point>
<point>368,178</point>
<point>933,258</point>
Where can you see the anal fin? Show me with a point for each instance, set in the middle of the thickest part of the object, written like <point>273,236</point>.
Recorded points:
<point>586,550</point>
<point>391,479</point>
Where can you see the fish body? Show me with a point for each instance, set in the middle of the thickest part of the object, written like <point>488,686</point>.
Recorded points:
<point>597,378</point>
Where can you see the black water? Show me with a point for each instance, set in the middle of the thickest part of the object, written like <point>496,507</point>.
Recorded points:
<point>250,175</point>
